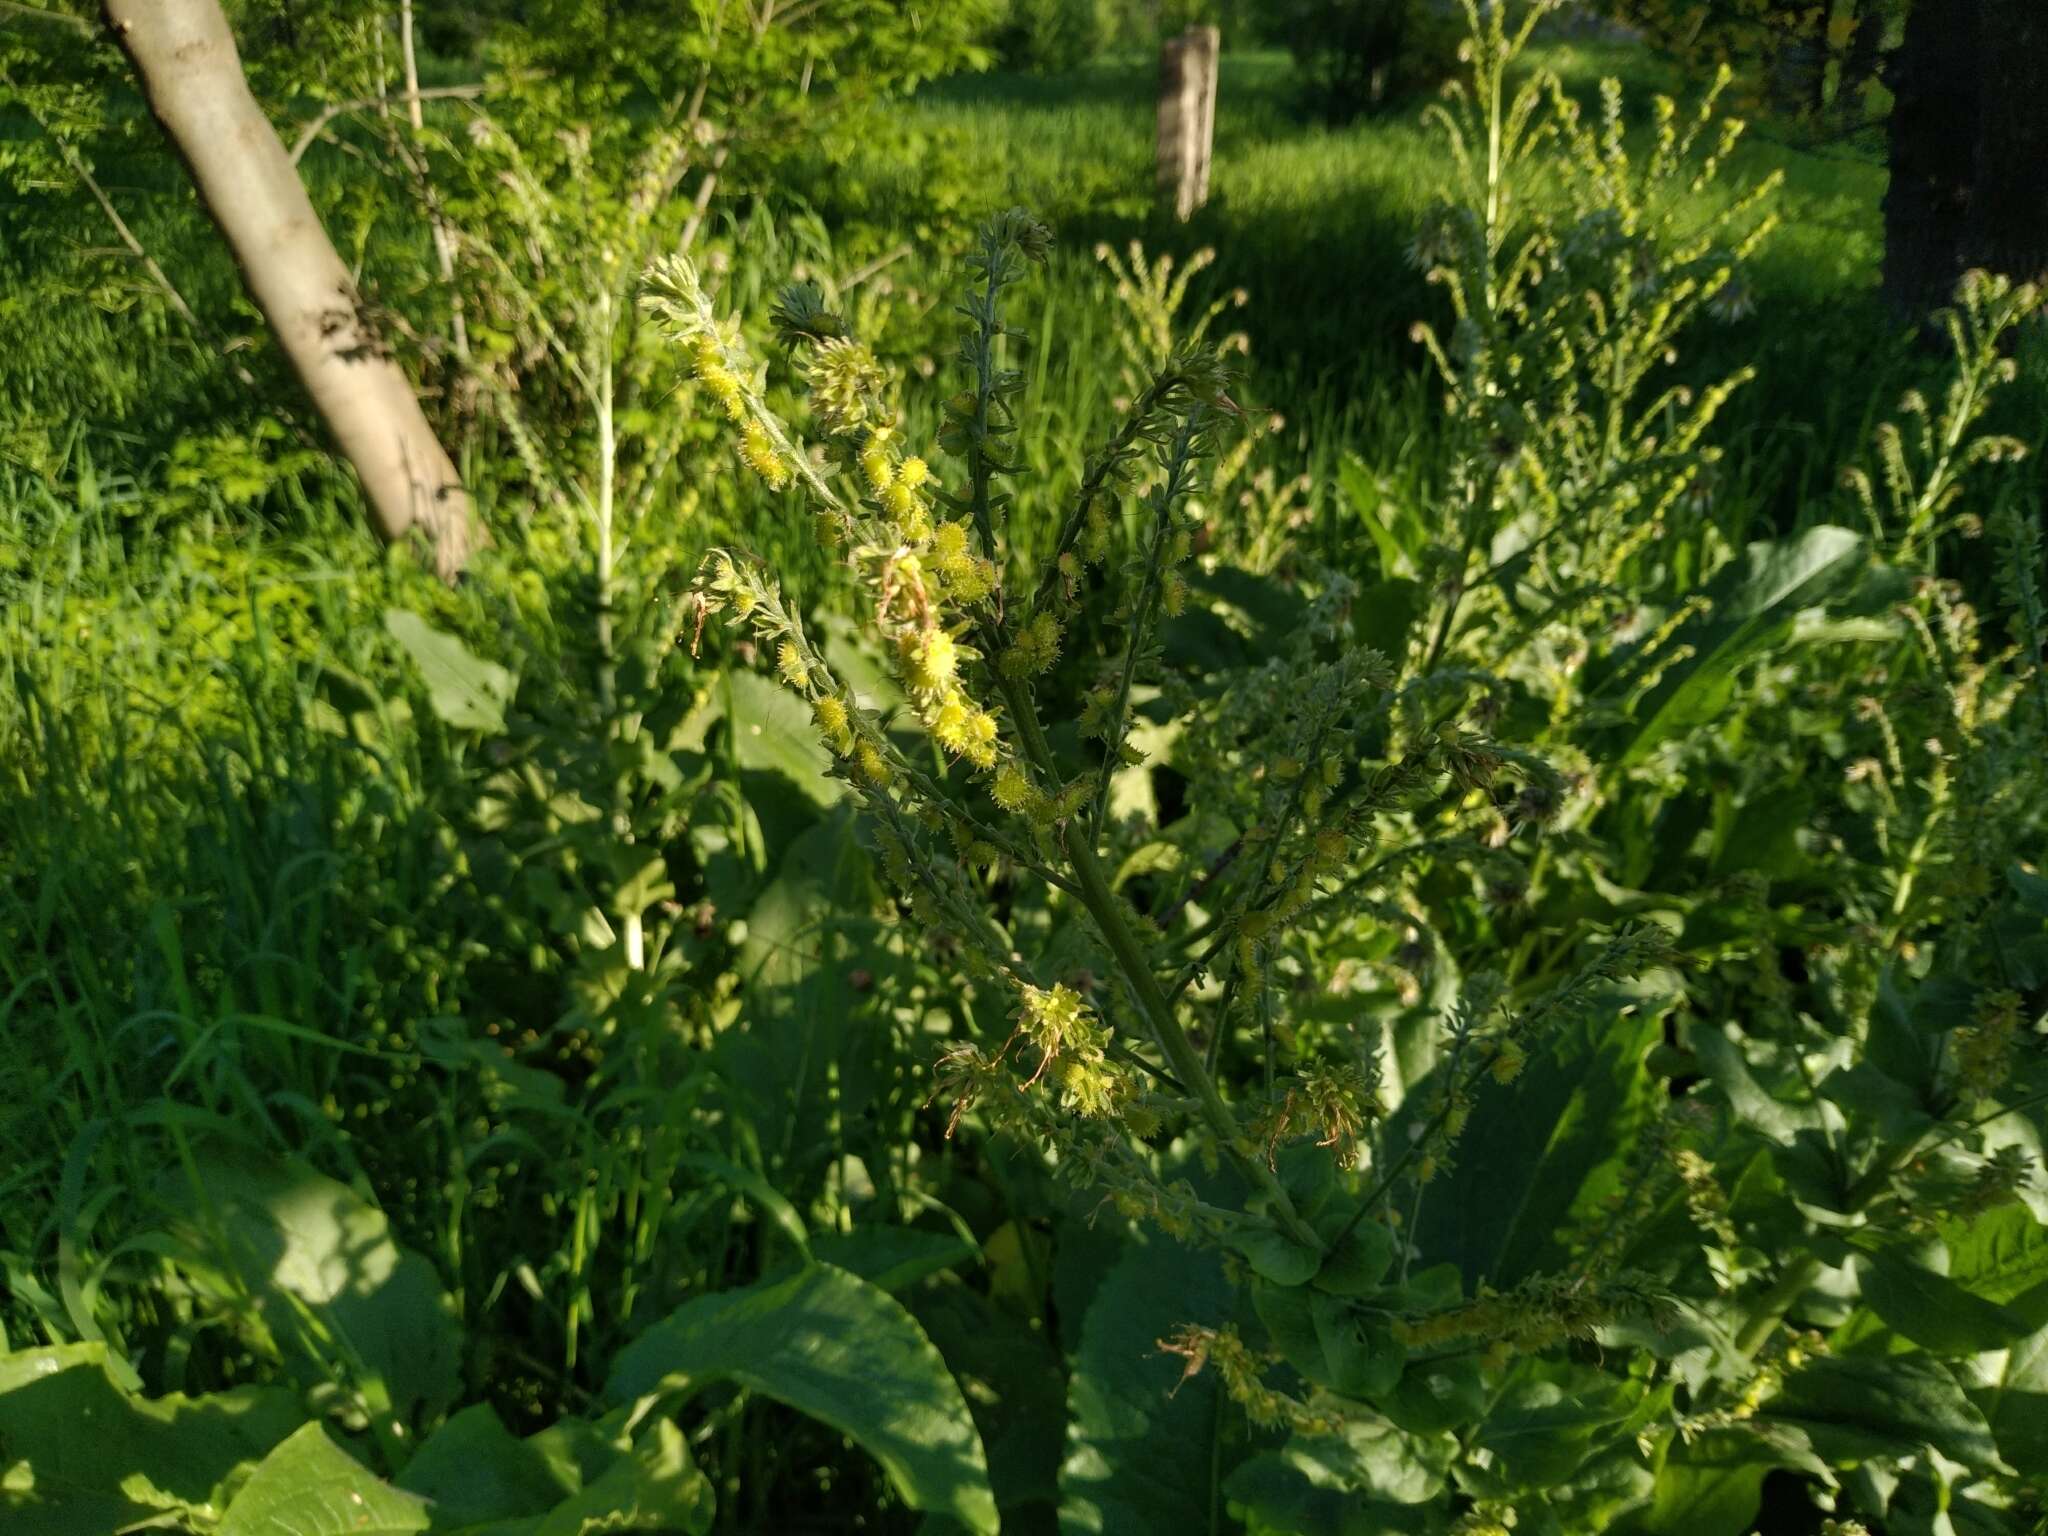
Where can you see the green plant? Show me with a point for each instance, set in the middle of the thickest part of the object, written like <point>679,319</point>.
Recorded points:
<point>1364,55</point>
<point>1413,1315</point>
<point>299,1267</point>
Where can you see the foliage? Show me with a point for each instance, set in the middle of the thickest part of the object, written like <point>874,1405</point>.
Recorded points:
<point>1797,57</point>
<point>1501,984</point>
<point>1364,55</point>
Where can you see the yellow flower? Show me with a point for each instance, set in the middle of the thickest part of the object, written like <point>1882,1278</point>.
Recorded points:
<point>758,450</point>
<point>1013,790</point>
<point>931,660</point>
<point>830,713</point>
<point>1508,1062</point>
<point>874,463</point>
<point>790,662</point>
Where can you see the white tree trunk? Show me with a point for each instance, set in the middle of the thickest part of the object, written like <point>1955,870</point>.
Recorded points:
<point>185,57</point>
<point>1187,117</point>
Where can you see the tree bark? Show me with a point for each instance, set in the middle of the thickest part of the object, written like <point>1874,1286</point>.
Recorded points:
<point>1969,149</point>
<point>2008,229</point>
<point>184,56</point>
<point>1936,110</point>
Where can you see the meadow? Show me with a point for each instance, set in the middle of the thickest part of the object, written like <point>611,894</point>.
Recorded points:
<point>1486,973</point>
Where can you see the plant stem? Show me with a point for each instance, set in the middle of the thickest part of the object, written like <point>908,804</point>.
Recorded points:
<point>1772,1306</point>
<point>1180,1051</point>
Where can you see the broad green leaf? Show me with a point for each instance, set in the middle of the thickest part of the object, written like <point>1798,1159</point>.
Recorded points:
<point>1017,1389</point>
<point>1134,1427</point>
<point>1357,1263</point>
<point>309,1486</point>
<point>1550,1418</point>
<point>1855,1406</point>
<point>2016,1402</point>
<point>1436,1395</point>
<point>772,732</point>
<point>1377,1458</point>
<point>1713,1485</point>
<point>895,1258</point>
<point>1755,600</point>
<point>843,1351</point>
<point>328,1280</point>
<point>1396,531</point>
<point>1555,1139</point>
<point>1933,1310</point>
<point>652,1487</point>
<point>1278,1491</point>
<point>97,1459</point>
<point>2001,1255</point>
<point>1275,1256</point>
<point>473,1470</point>
<point>465,690</point>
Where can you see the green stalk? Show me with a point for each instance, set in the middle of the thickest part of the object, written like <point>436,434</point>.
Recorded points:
<point>1180,1051</point>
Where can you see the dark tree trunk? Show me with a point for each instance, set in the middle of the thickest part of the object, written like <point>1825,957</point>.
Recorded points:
<point>1936,113</point>
<point>1969,149</point>
<point>2008,229</point>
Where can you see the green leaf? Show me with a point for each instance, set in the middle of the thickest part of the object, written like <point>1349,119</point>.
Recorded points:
<point>1933,1310</point>
<point>2015,1402</point>
<point>1555,1140</point>
<point>1280,1492</point>
<point>328,1280</point>
<point>766,1198</point>
<point>2001,1255</point>
<point>652,1487</point>
<point>1016,1387</point>
<point>1358,1263</point>
<point>895,1258</point>
<point>1550,1417</point>
<point>473,1470</point>
<point>466,691</point>
<point>1713,1485</point>
<point>843,1351</point>
<point>1275,1256</point>
<point>1858,1406</point>
<point>1397,531</point>
<point>98,1459</point>
<point>309,1486</point>
<point>1754,603</point>
<point>1436,1395</point>
<point>772,732</point>
<point>1134,1427</point>
<point>1360,1353</point>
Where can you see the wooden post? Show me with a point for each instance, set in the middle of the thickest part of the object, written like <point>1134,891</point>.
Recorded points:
<point>1187,117</point>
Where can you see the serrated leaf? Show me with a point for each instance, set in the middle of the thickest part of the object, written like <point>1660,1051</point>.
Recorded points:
<point>309,1486</point>
<point>843,1351</point>
<point>464,690</point>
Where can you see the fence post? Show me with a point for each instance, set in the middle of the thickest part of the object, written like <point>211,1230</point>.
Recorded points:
<point>1187,116</point>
